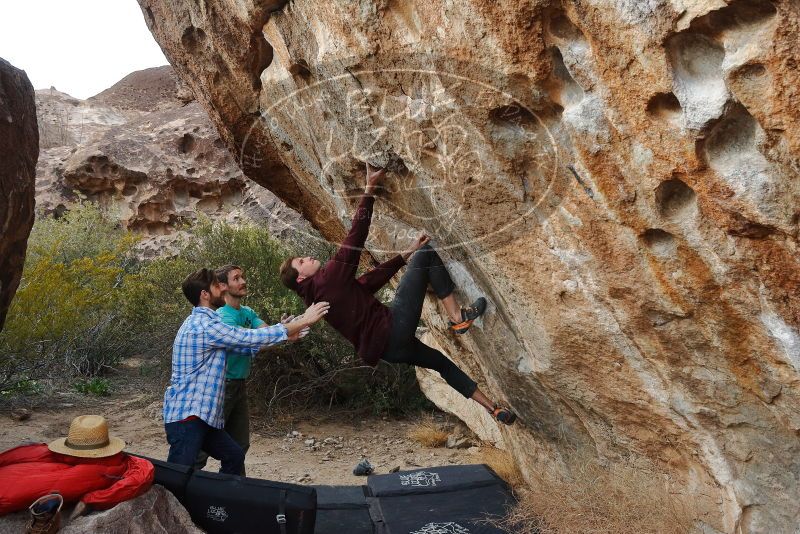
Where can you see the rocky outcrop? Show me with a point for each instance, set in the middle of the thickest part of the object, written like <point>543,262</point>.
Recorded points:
<point>619,178</point>
<point>19,148</point>
<point>155,512</point>
<point>145,150</point>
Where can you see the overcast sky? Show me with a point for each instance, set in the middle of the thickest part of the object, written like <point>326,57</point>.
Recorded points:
<point>79,46</point>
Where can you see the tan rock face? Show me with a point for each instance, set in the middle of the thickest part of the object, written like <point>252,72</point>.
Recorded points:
<point>618,178</point>
<point>19,148</point>
<point>144,149</point>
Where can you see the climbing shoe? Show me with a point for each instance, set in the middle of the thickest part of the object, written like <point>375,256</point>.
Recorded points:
<point>45,515</point>
<point>503,415</point>
<point>468,316</point>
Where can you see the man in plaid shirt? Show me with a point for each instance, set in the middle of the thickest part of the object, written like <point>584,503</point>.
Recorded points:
<point>193,414</point>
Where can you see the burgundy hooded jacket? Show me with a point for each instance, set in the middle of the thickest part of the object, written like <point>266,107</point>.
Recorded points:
<point>355,312</point>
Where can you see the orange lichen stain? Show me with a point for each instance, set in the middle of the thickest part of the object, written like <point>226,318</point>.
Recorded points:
<point>779,270</point>
<point>735,333</point>
<point>665,285</point>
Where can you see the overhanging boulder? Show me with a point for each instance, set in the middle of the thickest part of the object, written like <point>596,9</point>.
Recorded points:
<point>618,178</point>
<point>19,149</point>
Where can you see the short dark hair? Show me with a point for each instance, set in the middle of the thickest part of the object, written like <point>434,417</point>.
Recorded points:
<point>223,272</point>
<point>289,274</point>
<point>196,283</point>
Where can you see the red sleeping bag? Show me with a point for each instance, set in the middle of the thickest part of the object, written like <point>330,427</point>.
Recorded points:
<point>30,471</point>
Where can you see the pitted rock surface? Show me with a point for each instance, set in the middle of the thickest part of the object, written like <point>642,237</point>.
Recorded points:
<point>19,148</point>
<point>618,178</point>
<point>147,151</point>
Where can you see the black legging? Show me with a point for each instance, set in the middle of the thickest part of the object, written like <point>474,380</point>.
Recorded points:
<point>425,267</point>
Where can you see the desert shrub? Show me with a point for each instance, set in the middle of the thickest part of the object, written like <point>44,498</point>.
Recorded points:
<point>85,302</point>
<point>20,388</point>
<point>600,497</point>
<point>152,302</point>
<point>93,386</point>
<point>387,389</point>
<point>502,463</point>
<point>428,432</point>
<point>324,370</point>
<point>86,231</point>
<point>64,315</point>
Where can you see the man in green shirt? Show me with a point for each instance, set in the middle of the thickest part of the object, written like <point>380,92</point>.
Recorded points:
<point>237,369</point>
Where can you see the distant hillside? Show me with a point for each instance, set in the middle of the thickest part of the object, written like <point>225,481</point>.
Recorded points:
<point>146,150</point>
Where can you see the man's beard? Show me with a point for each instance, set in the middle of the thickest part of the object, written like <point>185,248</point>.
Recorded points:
<point>218,302</point>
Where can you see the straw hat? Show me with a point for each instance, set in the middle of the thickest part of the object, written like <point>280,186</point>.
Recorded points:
<point>88,438</point>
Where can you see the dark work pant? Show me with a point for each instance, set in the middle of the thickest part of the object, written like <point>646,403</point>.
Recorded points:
<point>425,268</point>
<point>187,438</point>
<point>237,419</point>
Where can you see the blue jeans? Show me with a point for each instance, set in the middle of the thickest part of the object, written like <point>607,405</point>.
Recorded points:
<point>187,438</point>
<point>237,418</point>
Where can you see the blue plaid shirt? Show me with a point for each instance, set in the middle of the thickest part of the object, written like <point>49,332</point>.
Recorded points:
<point>197,385</point>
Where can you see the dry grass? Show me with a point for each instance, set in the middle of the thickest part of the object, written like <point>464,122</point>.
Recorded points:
<point>503,464</point>
<point>428,432</point>
<point>594,498</point>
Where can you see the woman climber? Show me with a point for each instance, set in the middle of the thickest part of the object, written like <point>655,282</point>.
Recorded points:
<point>377,331</point>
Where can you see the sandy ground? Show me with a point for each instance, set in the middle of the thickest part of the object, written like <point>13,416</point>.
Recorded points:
<point>319,448</point>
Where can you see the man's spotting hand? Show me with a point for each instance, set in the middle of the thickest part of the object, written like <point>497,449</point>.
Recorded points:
<point>418,243</point>
<point>313,313</point>
<point>286,319</point>
<point>373,179</point>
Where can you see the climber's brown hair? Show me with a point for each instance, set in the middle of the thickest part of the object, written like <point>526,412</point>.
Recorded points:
<point>289,274</point>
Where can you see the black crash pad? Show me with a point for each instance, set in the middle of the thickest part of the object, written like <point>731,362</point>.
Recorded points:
<point>457,499</point>
<point>344,522</point>
<point>465,511</point>
<point>340,497</point>
<point>462,499</point>
<point>343,510</point>
<point>228,503</point>
<point>433,480</point>
<point>174,477</point>
<point>222,504</point>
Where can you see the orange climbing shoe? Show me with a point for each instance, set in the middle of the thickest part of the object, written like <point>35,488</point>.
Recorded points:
<point>503,415</point>
<point>468,316</point>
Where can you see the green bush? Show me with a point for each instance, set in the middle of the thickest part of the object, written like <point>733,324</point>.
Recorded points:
<point>83,232</point>
<point>21,388</point>
<point>85,302</point>
<point>65,315</point>
<point>93,386</point>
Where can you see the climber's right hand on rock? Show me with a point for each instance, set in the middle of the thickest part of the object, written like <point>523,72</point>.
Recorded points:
<point>418,243</point>
<point>374,178</point>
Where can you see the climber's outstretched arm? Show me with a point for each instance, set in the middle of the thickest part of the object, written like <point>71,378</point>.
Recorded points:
<point>347,256</point>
